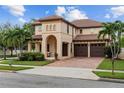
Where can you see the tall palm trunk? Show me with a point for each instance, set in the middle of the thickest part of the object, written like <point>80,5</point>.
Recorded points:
<point>119,44</point>
<point>112,59</point>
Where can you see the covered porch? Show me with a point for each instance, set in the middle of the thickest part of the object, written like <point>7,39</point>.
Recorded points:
<point>35,45</point>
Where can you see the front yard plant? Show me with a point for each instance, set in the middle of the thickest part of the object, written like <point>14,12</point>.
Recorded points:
<point>30,63</point>
<point>114,32</point>
<point>31,56</point>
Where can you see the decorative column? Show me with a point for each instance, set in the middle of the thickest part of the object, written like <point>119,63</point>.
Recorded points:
<point>36,47</point>
<point>44,46</point>
<point>88,49</point>
<point>72,46</point>
<point>59,48</point>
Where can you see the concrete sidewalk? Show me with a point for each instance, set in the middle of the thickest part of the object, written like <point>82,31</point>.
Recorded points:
<point>62,72</point>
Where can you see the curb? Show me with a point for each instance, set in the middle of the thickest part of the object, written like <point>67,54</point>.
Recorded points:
<point>112,80</point>
<point>8,71</point>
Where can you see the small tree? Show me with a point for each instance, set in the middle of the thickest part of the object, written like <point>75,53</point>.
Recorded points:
<point>4,28</point>
<point>113,31</point>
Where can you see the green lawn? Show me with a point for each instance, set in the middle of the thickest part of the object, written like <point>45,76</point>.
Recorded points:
<point>13,68</point>
<point>106,64</point>
<point>109,75</point>
<point>31,63</point>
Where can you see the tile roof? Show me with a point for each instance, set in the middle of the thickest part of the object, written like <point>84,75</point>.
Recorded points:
<point>90,37</point>
<point>37,37</point>
<point>86,23</point>
<point>53,17</point>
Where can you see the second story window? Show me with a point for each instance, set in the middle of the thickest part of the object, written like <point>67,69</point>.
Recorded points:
<point>47,27</point>
<point>67,29</point>
<point>38,28</point>
<point>50,27</point>
<point>54,27</point>
<point>80,31</point>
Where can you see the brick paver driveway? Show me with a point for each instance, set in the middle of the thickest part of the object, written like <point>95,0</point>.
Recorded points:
<point>82,62</point>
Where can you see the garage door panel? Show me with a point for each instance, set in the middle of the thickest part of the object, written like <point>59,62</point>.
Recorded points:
<point>80,50</point>
<point>97,50</point>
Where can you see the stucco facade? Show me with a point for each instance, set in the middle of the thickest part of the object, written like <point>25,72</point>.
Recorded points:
<point>57,37</point>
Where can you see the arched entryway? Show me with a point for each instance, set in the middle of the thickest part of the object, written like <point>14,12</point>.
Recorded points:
<point>51,47</point>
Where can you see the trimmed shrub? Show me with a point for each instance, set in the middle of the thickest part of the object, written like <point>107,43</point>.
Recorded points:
<point>39,58</point>
<point>108,52</point>
<point>22,58</point>
<point>31,56</point>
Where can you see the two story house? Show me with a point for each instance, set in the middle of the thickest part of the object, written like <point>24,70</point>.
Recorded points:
<point>54,34</point>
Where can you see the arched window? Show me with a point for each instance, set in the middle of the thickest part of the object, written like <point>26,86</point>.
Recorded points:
<point>54,27</point>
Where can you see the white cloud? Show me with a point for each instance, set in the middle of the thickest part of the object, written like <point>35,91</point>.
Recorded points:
<point>70,13</point>
<point>47,12</point>
<point>16,10</point>
<point>107,16</point>
<point>117,11</point>
<point>22,20</point>
<point>60,10</point>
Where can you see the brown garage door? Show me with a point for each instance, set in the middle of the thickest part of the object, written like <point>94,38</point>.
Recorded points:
<point>97,50</point>
<point>80,50</point>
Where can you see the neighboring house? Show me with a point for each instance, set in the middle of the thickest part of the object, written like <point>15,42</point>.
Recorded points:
<point>53,34</point>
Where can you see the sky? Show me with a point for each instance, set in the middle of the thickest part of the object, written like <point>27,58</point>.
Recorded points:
<point>20,14</point>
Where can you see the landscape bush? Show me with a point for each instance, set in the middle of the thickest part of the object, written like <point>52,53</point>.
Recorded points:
<point>108,52</point>
<point>31,56</point>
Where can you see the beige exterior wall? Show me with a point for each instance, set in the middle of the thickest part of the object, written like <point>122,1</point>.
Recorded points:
<point>86,31</point>
<point>44,43</point>
<point>68,37</point>
<point>61,36</point>
<point>38,31</point>
<point>91,31</point>
<point>56,23</point>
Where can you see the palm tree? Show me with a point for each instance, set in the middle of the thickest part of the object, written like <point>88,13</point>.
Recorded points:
<point>113,31</point>
<point>119,29</point>
<point>108,31</point>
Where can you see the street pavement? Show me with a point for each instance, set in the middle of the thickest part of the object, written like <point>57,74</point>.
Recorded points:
<point>80,73</point>
<point>18,80</point>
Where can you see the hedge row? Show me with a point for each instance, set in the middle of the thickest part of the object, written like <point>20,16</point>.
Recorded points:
<point>31,56</point>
